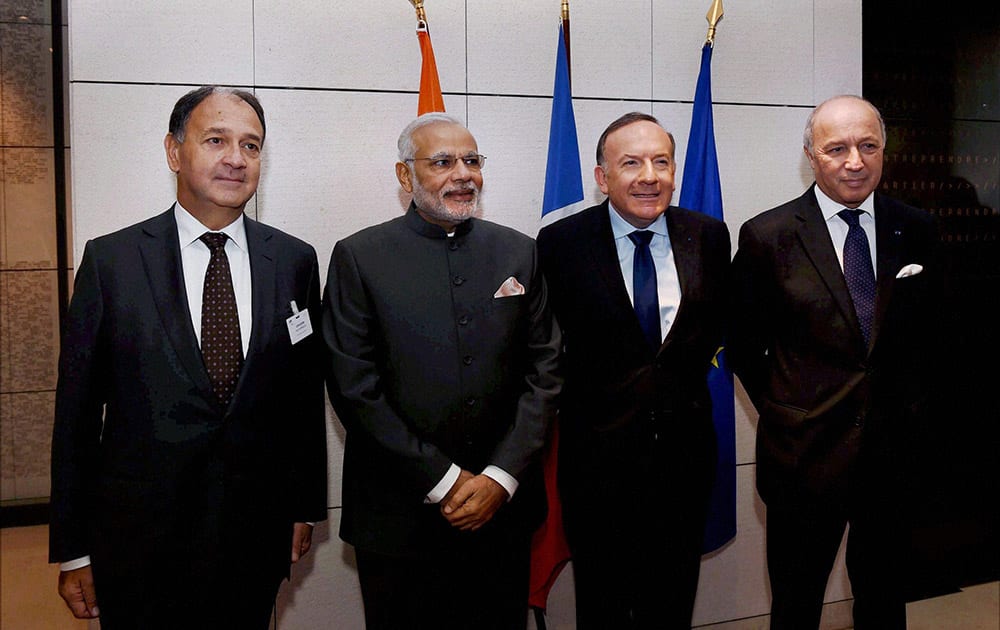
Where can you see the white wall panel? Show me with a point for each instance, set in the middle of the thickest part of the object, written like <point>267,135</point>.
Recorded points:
<point>763,51</point>
<point>611,46</point>
<point>837,49</point>
<point>679,30</point>
<point>181,41</point>
<point>120,173</point>
<point>324,590</point>
<point>512,51</point>
<point>761,163</point>
<point>360,45</point>
<point>329,162</point>
<point>513,133</point>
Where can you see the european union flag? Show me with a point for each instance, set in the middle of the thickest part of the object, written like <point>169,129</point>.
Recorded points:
<point>701,191</point>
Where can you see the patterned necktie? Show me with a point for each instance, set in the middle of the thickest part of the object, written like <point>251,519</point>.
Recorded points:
<point>644,298</point>
<point>858,270</point>
<point>221,347</point>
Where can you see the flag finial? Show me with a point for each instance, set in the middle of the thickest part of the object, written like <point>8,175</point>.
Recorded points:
<point>713,16</point>
<point>565,9</point>
<point>419,6</point>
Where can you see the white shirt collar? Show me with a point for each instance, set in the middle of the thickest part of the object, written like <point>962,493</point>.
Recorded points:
<point>830,208</point>
<point>621,228</point>
<point>190,229</point>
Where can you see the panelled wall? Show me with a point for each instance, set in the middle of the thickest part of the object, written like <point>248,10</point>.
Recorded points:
<point>29,253</point>
<point>338,80</point>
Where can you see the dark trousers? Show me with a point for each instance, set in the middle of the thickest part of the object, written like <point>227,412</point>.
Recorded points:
<point>634,507</point>
<point>801,549</point>
<point>239,602</point>
<point>481,584</point>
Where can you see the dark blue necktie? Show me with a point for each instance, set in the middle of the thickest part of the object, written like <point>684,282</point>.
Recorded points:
<point>644,298</point>
<point>858,270</point>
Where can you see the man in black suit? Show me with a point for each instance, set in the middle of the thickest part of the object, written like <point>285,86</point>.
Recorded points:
<point>831,337</point>
<point>184,476</point>
<point>638,287</point>
<point>444,359</point>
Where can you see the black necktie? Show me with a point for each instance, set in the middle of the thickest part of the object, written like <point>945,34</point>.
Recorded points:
<point>221,348</point>
<point>858,270</point>
<point>644,298</point>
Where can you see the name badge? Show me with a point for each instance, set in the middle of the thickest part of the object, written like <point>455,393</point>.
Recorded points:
<point>299,326</point>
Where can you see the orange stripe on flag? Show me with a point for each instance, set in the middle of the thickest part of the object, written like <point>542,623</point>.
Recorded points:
<point>430,88</point>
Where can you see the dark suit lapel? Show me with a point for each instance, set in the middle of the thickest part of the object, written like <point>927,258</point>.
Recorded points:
<point>815,238</point>
<point>262,277</point>
<point>161,256</point>
<point>889,232</point>
<point>686,246</point>
<point>605,254</point>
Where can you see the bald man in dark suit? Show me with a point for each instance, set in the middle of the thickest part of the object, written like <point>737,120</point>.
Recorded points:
<point>832,336</point>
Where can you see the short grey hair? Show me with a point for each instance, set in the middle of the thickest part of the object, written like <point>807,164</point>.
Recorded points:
<point>405,143</point>
<point>807,135</point>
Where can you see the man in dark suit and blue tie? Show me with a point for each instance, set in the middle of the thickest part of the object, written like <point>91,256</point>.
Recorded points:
<point>831,335</point>
<point>188,454</point>
<point>638,287</point>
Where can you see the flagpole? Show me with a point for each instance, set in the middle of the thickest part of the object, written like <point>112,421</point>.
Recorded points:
<point>713,16</point>
<point>565,30</point>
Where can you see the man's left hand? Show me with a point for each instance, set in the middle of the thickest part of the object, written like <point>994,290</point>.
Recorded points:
<point>475,503</point>
<point>302,534</point>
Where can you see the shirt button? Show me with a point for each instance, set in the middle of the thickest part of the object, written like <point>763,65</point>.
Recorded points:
<point>458,280</point>
<point>467,359</point>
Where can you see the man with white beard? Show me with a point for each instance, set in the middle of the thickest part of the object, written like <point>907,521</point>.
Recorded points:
<point>444,357</point>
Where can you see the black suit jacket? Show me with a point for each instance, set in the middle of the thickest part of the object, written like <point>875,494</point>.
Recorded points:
<point>795,342</point>
<point>430,368</point>
<point>149,473</point>
<point>619,398</point>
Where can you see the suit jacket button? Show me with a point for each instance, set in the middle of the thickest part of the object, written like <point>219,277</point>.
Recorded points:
<point>467,359</point>
<point>458,280</point>
<point>470,401</point>
<point>452,245</point>
<point>463,320</point>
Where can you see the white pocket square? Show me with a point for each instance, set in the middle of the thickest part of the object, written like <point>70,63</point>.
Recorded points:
<point>510,287</point>
<point>909,270</point>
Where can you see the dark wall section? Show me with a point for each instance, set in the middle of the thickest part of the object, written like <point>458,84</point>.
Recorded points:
<point>934,71</point>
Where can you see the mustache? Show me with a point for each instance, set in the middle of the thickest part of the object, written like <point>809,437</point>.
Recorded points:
<point>462,189</point>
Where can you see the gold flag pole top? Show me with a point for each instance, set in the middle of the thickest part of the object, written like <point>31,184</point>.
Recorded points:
<point>565,9</point>
<point>713,16</point>
<point>421,15</point>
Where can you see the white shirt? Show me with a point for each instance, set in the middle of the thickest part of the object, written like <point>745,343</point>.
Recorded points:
<point>194,261</point>
<point>668,284</point>
<point>838,227</point>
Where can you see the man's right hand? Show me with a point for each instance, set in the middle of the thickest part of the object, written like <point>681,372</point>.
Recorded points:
<point>76,587</point>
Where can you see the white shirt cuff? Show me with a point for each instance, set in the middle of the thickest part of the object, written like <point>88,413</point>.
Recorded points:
<point>439,491</point>
<point>72,565</point>
<point>503,478</point>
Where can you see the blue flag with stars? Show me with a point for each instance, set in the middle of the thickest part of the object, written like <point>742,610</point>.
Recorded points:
<point>702,191</point>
